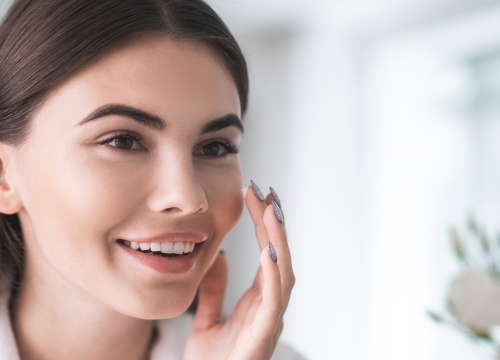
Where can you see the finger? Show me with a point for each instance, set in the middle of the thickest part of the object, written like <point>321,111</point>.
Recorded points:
<point>259,279</point>
<point>278,332</point>
<point>269,201</point>
<point>255,201</point>
<point>211,295</point>
<point>277,236</point>
<point>273,195</point>
<point>269,312</point>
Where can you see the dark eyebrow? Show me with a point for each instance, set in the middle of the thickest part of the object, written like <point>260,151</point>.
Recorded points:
<point>222,123</point>
<point>140,116</point>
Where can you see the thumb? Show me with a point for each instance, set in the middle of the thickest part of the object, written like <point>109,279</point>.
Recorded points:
<point>211,295</point>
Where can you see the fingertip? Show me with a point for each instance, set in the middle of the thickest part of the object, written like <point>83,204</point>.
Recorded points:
<point>264,257</point>
<point>277,212</point>
<point>269,199</point>
<point>244,191</point>
<point>257,191</point>
<point>267,261</point>
<point>272,252</point>
<point>255,205</point>
<point>269,214</point>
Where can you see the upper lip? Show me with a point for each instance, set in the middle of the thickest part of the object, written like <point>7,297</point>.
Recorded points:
<point>170,237</point>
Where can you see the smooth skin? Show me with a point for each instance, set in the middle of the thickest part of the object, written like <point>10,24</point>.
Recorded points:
<point>83,297</point>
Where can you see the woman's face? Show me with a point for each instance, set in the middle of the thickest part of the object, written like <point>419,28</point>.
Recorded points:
<point>136,145</point>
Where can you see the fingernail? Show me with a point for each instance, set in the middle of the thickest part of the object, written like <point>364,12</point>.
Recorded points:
<point>276,197</point>
<point>272,252</point>
<point>222,252</point>
<point>244,190</point>
<point>277,212</point>
<point>257,191</point>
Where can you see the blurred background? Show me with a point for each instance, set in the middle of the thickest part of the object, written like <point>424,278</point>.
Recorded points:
<point>377,122</point>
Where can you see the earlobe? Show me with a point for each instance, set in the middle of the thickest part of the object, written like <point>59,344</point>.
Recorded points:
<point>10,203</point>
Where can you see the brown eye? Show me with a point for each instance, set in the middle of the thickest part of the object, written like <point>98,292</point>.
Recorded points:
<point>124,142</point>
<point>216,149</point>
<point>213,149</point>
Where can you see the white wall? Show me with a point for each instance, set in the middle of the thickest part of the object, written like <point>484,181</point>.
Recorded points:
<point>4,6</point>
<point>304,145</point>
<point>379,161</point>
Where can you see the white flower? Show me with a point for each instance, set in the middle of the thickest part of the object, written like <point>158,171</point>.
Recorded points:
<point>474,300</point>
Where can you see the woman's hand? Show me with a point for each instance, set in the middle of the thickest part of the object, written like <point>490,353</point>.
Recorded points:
<point>253,329</point>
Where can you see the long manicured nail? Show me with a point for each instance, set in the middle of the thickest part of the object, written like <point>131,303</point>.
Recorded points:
<point>272,252</point>
<point>275,196</point>
<point>277,212</point>
<point>257,191</point>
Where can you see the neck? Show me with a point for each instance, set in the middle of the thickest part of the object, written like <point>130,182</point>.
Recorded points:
<point>54,319</point>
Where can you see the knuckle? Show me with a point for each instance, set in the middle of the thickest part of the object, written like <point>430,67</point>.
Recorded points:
<point>277,307</point>
<point>280,305</point>
<point>260,226</point>
<point>290,283</point>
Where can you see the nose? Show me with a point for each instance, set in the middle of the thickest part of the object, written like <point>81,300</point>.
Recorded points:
<point>178,189</point>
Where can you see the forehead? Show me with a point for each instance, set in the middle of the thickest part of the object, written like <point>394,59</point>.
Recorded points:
<point>183,81</point>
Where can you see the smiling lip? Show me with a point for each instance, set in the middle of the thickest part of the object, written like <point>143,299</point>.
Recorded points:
<point>163,265</point>
<point>171,237</point>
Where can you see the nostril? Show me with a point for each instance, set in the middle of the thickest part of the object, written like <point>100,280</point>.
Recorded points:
<point>200,210</point>
<point>183,196</point>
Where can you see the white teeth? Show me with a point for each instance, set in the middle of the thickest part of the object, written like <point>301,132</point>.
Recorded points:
<point>155,246</point>
<point>167,247</point>
<point>178,247</point>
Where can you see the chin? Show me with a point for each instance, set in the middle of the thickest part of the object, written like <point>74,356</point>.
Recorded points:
<point>153,305</point>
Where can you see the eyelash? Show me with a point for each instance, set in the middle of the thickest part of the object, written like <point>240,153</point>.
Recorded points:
<point>120,134</point>
<point>230,148</point>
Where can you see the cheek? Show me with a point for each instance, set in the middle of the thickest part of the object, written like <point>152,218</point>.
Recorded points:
<point>225,198</point>
<point>73,201</point>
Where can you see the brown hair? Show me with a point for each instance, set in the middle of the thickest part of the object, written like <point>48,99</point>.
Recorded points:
<point>43,41</point>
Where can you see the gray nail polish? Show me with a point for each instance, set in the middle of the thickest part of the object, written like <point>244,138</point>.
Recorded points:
<point>276,197</point>
<point>277,212</point>
<point>272,252</point>
<point>257,191</point>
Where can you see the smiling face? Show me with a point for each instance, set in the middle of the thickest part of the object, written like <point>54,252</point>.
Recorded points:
<point>136,147</point>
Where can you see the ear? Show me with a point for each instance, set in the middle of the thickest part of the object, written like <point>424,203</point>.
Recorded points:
<point>10,203</point>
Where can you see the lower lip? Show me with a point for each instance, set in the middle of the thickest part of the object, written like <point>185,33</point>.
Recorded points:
<point>165,265</point>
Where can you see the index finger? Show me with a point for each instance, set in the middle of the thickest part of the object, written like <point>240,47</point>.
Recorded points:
<point>256,204</point>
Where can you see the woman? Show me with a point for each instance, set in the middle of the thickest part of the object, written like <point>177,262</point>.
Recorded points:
<point>120,122</point>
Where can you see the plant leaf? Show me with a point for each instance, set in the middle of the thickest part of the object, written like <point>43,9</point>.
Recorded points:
<point>481,334</point>
<point>435,316</point>
<point>473,225</point>
<point>485,244</point>
<point>457,245</point>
